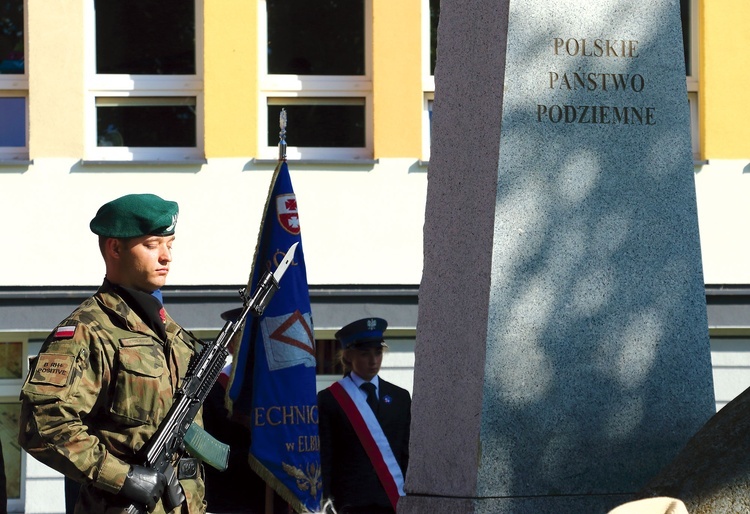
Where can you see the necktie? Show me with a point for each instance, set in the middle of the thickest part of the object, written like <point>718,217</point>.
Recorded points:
<point>372,400</point>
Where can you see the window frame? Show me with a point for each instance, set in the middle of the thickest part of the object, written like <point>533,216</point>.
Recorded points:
<point>10,388</point>
<point>17,85</point>
<point>6,91</point>
<point>692,80</point>
<point>133,86</point>
<point>312,86</point>
<point>428,80</point>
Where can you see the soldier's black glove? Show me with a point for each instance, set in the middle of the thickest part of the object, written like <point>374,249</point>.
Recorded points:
<point>144,486</point>
<point>175,495</point>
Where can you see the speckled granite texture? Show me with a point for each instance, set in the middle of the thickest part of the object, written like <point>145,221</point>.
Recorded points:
<point>562,347</point>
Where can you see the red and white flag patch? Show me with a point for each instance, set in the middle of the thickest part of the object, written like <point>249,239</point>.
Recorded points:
<point>65,332</point>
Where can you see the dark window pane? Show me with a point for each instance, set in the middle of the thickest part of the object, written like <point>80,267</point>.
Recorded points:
<point>434,17</point>
<point>146,125</point>
<point>11,37</point>
<point>13,125</point>
<point>326,357</point>
<point>320,125</point>
<point>685,11</point>
<point>316,37</point>
<point>429,113</point>
<point>144,37</point>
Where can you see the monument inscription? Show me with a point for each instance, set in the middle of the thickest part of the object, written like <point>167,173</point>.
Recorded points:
<point>562,352</point>
<point>596,81</point>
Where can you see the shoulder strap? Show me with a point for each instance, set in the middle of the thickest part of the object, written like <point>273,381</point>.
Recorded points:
<point>371,436</point>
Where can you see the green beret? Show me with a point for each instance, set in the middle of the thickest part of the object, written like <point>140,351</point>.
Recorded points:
<point>135,216</point>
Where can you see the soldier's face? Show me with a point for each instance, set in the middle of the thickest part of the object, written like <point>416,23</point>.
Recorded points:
<point>144,262</point>
<point>366,361</point>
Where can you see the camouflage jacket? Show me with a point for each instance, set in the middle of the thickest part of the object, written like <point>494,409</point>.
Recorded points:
<point>96,393</point>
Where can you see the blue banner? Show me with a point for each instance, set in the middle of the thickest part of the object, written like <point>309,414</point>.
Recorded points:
<point>273,383</point>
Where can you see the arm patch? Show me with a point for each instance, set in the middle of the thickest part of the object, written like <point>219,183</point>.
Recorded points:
<point>66,330</point>
<point>53,369</point>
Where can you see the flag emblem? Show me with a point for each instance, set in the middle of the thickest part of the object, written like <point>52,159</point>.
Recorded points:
<point>65,332</point>
<point>286,208</point>
<point>274,367</point>
<point>288,340</point>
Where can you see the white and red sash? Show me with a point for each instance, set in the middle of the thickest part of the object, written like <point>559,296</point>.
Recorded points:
<point>371,435</point>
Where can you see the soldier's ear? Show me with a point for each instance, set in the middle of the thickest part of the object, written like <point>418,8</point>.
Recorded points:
<point>113,248</point>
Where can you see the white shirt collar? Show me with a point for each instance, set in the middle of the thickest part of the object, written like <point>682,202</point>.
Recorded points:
<point>358,381</point>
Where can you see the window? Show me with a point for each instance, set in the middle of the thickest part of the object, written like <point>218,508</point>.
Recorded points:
<point>329,122</point>
<point>328,101</point>
<point>146,99</point>
<point>689,13</point>
<point>13,81</point>
<point>326,357</point>
<point>13,114</point>
<point>429,43</point>
<point>434,17</point>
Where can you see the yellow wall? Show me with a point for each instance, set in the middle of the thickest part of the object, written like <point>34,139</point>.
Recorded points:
<point>397,78</point>
<point>725,79</point>
<point>231,78</point>
<point>55,61</point>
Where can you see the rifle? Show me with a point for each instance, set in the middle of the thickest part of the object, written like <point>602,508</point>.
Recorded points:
<point>177,432</point>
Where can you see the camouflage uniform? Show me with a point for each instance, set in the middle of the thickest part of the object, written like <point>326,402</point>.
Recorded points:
<point>97,392</point>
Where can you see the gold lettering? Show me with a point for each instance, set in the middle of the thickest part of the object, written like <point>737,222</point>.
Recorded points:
<point>633,52</point>
<point>274,421</point>
<point>308,443</point>
<point>558,43</point>
<point>572,47</point>
<point>553,77</point>
<point>599,114</point>
<point>259,417</point>
<point>598,49</point>
<point>286,415</point>
<point>611,49</point>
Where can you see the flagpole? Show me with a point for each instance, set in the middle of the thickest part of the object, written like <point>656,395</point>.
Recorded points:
<point>282,135</point>
<point>291,475</point>
<point>270,499</point>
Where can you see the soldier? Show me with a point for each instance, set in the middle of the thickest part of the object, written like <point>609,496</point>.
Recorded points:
<point>364,427</point>
<point>105,377</point>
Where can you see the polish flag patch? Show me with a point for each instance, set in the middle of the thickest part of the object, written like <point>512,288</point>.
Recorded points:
<point>65,332</point>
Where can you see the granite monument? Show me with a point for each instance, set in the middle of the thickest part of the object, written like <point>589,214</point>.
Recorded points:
<point>562,354</point>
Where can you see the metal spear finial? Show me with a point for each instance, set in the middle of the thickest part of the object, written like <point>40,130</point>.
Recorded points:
<point>282,135</point>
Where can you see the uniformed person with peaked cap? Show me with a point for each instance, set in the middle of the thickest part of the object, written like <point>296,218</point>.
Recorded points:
<point>350,478</point>
<point>106,375</point>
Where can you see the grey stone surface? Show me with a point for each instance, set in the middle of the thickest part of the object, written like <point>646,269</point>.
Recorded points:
<point>537,505</point>
<point>562,346</point>
<point>712,473</point>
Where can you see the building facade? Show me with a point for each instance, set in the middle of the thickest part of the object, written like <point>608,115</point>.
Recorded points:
<point>181,99</point>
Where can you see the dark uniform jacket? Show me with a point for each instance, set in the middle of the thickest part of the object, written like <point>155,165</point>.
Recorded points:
<point>348,475</point>
<point>96,393</point>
